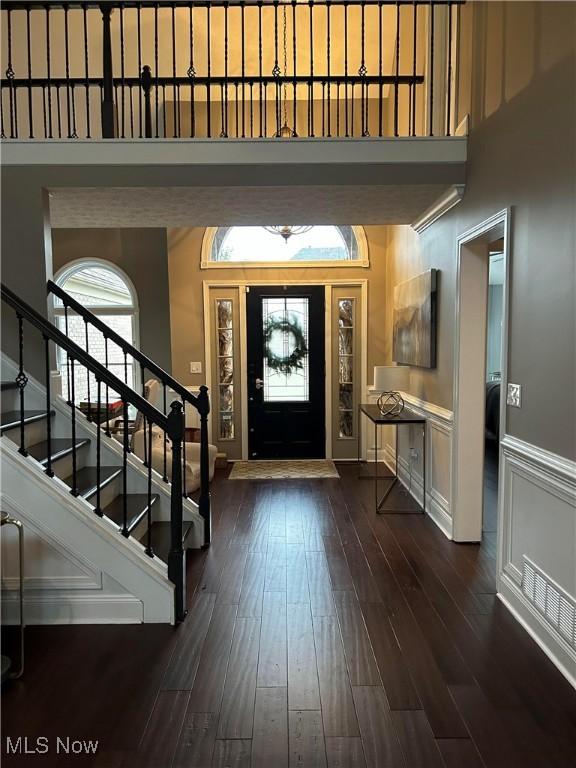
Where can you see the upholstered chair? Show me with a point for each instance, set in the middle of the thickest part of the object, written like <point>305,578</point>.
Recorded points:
<point>154,395</point>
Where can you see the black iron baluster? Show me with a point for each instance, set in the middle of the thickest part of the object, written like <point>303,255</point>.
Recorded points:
<point>29,58</point>
<point>380,44</point>
<point>224,98</point>
<point>122,74</point>
<point>108,433</point>
<point>311,93</point>
<point>74,489</point>
<point>251,109</point>
<point>260,65</point>
<point>10,77</point>
<point>236,113</point>
<point>164,110</point>
<point>67,356</point>
<point>49,471</point>
<point>58,112</point>
<point>165,462</point>
<point>431,73</point>
<point>352,109</point>
<point>125,367</point>
<point>323,109</point>
<point>184,483</point>
<point>294,70</point>
<point>44,115</point>
<point>414,62</point>
<point>86,71</point>
<point>449,95</point>
<point>328,63</point>
<point>21,381</point>
<point>74,134</point>
<point>176,556</point>
<point>243,64</point>
<point>98,509</point>
<point>108,131</point>
<point>174,101</point>
<point>125,452</point>
<point>139,54</point>
<point>396,86</point>
<point>156,68</point>
<point>265,109</point>
<point>131,103</point>
<point>48,72</point>
<point>209,71</point>
<point>346,70</point>
<point>276,71</point>
<point>148,435</point>
<point>146,81</point>
<point>362,71</point>
<point>87,371</point>
<point>338,108</point>
<point>2,131</point>
<point>192,74</point>
<point>67,65</point>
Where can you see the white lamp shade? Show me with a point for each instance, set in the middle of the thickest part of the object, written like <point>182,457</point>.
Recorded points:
<point>390,378</point>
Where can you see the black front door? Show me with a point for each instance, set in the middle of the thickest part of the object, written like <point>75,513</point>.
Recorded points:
<point>286,365</point>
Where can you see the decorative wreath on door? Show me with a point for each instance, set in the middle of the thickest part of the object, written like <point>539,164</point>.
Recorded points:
<point>286,364</point>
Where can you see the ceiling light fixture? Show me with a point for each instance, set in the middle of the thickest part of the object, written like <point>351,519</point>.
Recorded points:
<point>287,231</point>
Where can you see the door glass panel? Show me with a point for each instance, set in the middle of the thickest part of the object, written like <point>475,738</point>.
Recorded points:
<point>286,363</point>
<point>224,315</point>
<point>346,358</point>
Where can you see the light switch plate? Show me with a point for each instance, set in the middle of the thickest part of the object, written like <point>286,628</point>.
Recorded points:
<point>514,395</point>
<point>195,367</point>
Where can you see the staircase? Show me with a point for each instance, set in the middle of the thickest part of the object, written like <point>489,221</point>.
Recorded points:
<point>125,506</point>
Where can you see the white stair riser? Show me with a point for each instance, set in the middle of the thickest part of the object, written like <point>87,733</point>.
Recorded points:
<point>63,467</point>
<point>108,493</point>
<point>35,432</point>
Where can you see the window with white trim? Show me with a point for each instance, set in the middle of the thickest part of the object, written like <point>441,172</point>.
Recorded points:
<point>260,247</point>
<point>107,293</point>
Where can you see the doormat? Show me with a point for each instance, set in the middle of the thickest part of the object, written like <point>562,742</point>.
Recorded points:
<point>283,470</point>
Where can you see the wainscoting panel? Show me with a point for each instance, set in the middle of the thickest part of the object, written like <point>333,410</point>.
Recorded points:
<point>410,468</point>
<point>537,565</point>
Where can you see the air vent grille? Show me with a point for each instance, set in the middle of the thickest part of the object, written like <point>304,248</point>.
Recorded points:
<point>557,607</point>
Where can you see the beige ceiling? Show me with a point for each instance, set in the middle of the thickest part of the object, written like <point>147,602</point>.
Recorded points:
<point>227,206</point>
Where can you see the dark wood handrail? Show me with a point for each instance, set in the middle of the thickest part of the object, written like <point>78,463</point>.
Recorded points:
<point>77,353</point>
<point>200,403</point>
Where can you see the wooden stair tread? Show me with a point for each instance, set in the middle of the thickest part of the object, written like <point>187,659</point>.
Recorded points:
<point>11,419</point>
<point>87,479</point>
<point>61,446</point>
<point>161,537</point>
<point>137,507</point>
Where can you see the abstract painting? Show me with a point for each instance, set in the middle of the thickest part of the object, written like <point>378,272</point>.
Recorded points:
<point>414,340</point>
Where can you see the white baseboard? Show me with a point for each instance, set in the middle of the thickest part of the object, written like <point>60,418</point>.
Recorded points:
<point>511,596</point>
<point>72,609</point>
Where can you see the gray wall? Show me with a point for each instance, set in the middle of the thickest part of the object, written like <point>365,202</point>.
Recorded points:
<point>521,155</point>
<point>143,255</point>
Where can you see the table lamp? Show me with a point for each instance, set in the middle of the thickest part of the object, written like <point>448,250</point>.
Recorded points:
<point>389,379</point>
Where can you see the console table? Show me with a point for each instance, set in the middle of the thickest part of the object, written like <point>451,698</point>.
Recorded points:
<point>373,413</point>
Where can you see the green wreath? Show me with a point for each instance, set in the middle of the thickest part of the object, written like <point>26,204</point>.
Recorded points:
<point>294,360</point>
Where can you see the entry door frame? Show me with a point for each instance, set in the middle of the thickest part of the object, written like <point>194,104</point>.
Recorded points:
<point>469,384</point>
<point>242,285</point>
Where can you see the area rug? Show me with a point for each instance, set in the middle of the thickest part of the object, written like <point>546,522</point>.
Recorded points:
<point>283,470</point>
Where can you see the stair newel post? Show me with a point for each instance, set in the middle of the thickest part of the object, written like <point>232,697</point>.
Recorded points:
<point>108,131</point>
<point>204,500</point>
<point>146,83</point>
<point>176,558</point>
<point>125,452</point>
<point>98,447</point>
<point>21,380</point>
<point>74,489</point>
<point>49,470</point>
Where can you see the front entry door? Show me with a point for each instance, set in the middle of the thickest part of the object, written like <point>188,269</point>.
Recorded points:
<point>286,369</point>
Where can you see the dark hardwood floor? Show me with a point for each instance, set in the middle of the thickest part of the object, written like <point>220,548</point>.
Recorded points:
<point>319,634</point>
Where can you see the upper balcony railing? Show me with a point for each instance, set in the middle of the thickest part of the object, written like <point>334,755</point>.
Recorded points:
<point>228,69</point>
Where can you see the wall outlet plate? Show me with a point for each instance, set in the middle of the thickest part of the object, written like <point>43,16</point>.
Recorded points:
<point>195,367</point>
<point>514,395</point>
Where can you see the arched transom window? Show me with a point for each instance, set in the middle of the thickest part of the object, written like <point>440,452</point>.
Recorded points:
<point>320,246</point>
<point>108,293</point>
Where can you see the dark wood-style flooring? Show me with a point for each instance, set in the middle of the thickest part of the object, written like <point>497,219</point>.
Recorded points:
<point>319,634</point>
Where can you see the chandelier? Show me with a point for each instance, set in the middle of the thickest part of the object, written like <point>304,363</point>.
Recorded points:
<point>286,232</point>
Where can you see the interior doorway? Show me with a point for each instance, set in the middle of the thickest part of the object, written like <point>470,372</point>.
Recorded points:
<point>286,372</point>
<point>480,378</point>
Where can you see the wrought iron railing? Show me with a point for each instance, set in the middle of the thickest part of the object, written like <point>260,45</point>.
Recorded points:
<point>228,68</point>
<point>172,425</point>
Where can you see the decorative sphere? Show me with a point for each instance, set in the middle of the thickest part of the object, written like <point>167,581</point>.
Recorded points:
<point>391,403</point>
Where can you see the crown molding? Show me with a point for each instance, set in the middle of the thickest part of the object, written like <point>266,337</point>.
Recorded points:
<point>442,205</point>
